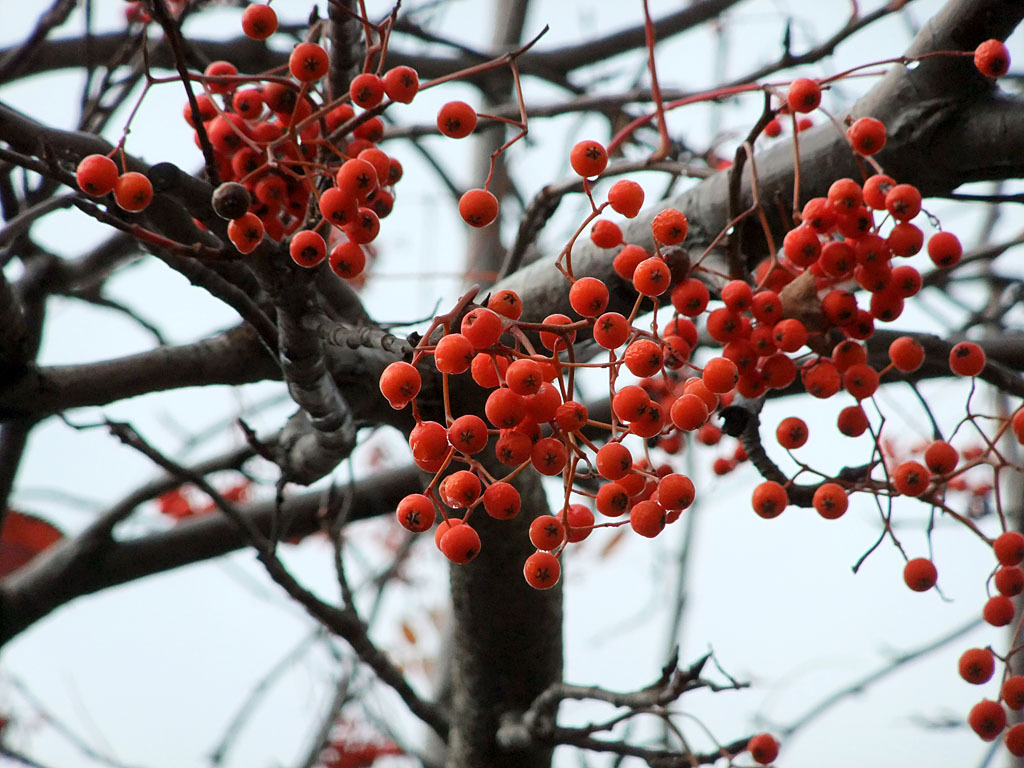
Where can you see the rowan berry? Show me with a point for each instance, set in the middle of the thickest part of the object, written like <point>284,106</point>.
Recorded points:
<point>867,137</point>
<point>652,276</point>
<point>820,378</point>
<point>848,353</point>
<point>837,259</point>
<point>308,62</point>
<point>443,527</point>
<point>133,192</point>
<point>690,297</point>
<point>555,340</point>
<point>790,334</point>
<point>588,296</point>
<point>695,386</point>
<point>875,190</point>
<point>724,325</point>
<point>524,376</point>
<point>860,380</point>
<point>650,423</point>
<point>820,216</point>
<point>1014,740</point>
<point>347,259</point>
<point>830,501</point>
<point>468,434</point>
<point>502,501</point>
<point>763,748</point>
<point>428,441</point>
<point>542,570</point>
<point>246,232</point>
<point>966,359</point>
<point>400,383</point>
<point>478,207</point>
<point>460,489</point>
<point>626,197</point>
<point>745,353</point>
<point>1009,580</point>
<point>504,408</point>
<point>644,358</point>
<point>903,201</point>
<point>1009,548</point>
<point>845,194</point>
<point>998,611</point>
<point>791,433</point>
<point>977,665</point>
<point>804,95</point>
<point>766,307</point>
<point>676,492</point>
<point>206,110</point>
<point>802,246</point>
<point>688,412</point>
<point>416,512</point>
<point>613,461</point>
<point>1017,425</point>
<point>456,119</point>
<point>769,499</point>
<point>941,457</point>
<point>992,58</point>
<point>215,73</point>
<point>612,499</point>
<point>606,234</point>
<point>777,371</point>
<point>906,281</point>
<point>906,354</point>
<point>588,158</point>
<point>549,456</point>
<point>512,447</point>
<point>96,175</point>
<point>571,416</point>
<point>669,227</point>
<point>630,403</point>
<point>919,574</point>
<point>506,302</point>
<point>259,22</point>
<point>542,406</point>
<point>460,544</point>
<point>611,330</point>
<point>401,84</point>
<point>737,295</point>
<point>911,478</point>
<point>905,239</point>
<point>547,532</point>
<point>720,375</point>
<point>988,719</point>
<point>627,260</point>
<point>1012,692</point>
<point>647,518</point>
<point>944,249</point>
<point>483,327</point>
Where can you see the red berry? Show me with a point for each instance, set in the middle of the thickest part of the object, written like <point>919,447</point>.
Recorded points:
<point>347,259</point>
<point>977,665</point>
<point>400,383</point>
<point>588,158</point>
<point>133,192</point>
<point>966,359</point>
<point>791,432</point>
<point>307,247</point>
<point>547,532</point>
<point>999,611</point>
<point>944,249</point>
<point>401,84</point>
<point>1014,740</point>
<point>416,512</point>
<point>647,518</point>
<point>96,175</point>
<point>502,501</point>
<point>460,544</point>
<point>763,748</point>
<point>992,58</point>
<point>478,207</point>
<point>246,232</point>
<point>920,574</point>
<point>259,22</point>
<point>308,62</point>
<point>988,719</point>
<point>830,501</point>
<point>911,478</point>
<point>906,354</point>
<point>588,297</point>
<point>769,499</point>
<point>456,119</point>
<point>626,197</point>
<point>366,90</point>
<point>867,136</point>
<point>542,570</point>
<point>804,95</point>
<point>669,227</point>
<point>1009,548</point>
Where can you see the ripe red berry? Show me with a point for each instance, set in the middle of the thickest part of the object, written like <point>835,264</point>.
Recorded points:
<point>769,499</point>
<point>588,296</point>
<point>605,234</point>
<point>626,261</point>
<point>821,378</point>
<point>507,303</point>
<point>502,501</point>
<point>977,665</point>
<point>669,227</point>
<point>460,489</point>
<point>941,457</point>
<point>652,276</point>
<point>401,84</point>
<point>804,95</point>
<point>478,207</point>
<point>347,259</point>
<point>259,22</point>
<point>549,456</point>
<point>791,432</point>
<point>542,570</point>
<point>763,748</point>
<point>920,574</point>
<point>688,412</point>
<point>720,375</point>
<point>903,201</point>
<point>690,297</point>
<point>483,327</point>
<point>307,247</point>
<point>867,136</point>
<point>588,158</point>
<point>460,544</point>
<point>456,119</point>
<point>906,354</point>
<point>215,72</point>
<point>992,58</point>
<point>613,461</point>
<point>308,62</point>
<point>647,518</point>
<point>944,249</point>
<point>1012,692</point>
<point>830,501</point>
<point>860,380</point>
<point>555,340</point>
<point>1014,740</point>
<point>246,232</point>
<point>400,383</point>
<point>789,334</point>
<point>416,512</point>
<point>644,358</point>
<point>579,522</point>
<point>988,719</point>
<point>911,478</point>
<point>547,532</point>
<point>966,359</point>
<point>366,90</point>
<point>133,192</point>
<point>998,610</point>
<point>676,492</point>
<point>96,175</point>
<point>626,197</point>
<point>1009,548</point>
<point>1009,580</point>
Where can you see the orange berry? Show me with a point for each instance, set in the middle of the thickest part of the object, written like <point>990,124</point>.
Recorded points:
<point>867,136</point>
<point>992,58</point>
<point>133,192</point>
<point>588,296</point>
<point>456,119</point>
<point>911,478</point>
<point>401,84</point>
<point>720,375</point>
<point>977,665</point>
<point>920,574</point>
<point>478,207</point>
<point>259,22</point>
<point>769,499</point>
<point>96,175</point>
<point>460,544</point>
<point>966,359</point>
<point>588,158</point>
<point>988,719</point>
<point>669,227</point>
<point>626,197</point>
<point>400,383</point>
<point>547,532</point>
<point>1009,548</point>
<point>763,748</point>
<point>415,512</point>
<point>308,62</point>
<point>804,95</point>
<point>830,501</point>
<point>652,276</point>
<point>906,354</point>
<point>542,570</point>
